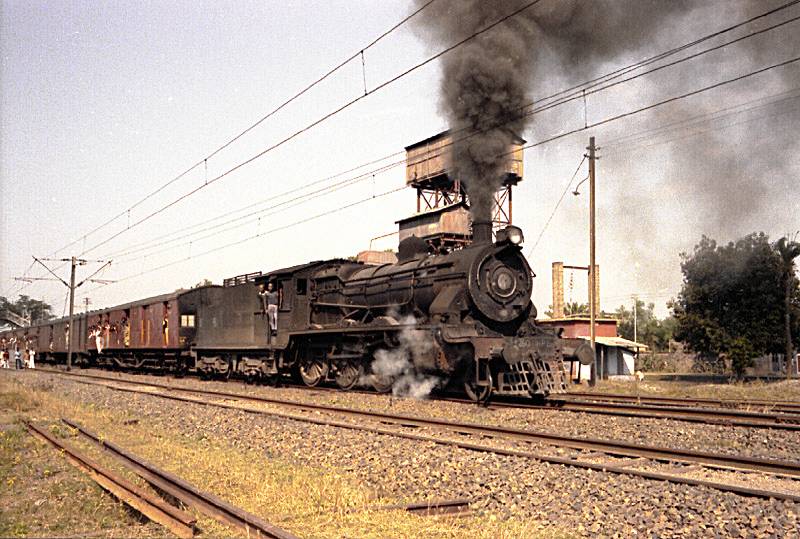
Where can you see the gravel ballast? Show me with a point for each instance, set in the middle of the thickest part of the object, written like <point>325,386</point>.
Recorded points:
<point>589,503</point>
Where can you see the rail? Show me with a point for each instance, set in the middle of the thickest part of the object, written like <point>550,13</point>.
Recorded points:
<point>177,521</point>
<point>611,448</point>
<point>209,504</point>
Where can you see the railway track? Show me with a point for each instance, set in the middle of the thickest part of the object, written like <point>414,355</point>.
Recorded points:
<point>776,478</point>
<point>176,520</point>
<point>156,509</point>
<point>713,416</point>
<point>717,416</point>
<point>204,502</point>
<point>788,407</point>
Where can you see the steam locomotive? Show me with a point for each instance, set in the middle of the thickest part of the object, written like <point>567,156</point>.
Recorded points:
<point>463,317</point>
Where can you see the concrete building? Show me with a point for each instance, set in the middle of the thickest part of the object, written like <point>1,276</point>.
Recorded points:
<point>615,355</point>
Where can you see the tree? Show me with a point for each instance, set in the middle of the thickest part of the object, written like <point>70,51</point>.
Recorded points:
<point>650,330</point>
<point>731,303</point>
<point>788,251</point>
<point>573,308</point>
<point>27,307</point>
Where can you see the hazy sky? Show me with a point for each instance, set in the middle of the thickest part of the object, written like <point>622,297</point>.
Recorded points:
<point>103,102</point>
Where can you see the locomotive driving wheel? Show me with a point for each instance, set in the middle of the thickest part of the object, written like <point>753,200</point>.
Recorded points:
<point>381,383</point>
<point>347,375</point>
<point>478,392</point>
<point>313,371</point>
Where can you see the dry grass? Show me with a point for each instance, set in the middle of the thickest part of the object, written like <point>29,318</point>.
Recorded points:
<point>42,495</point>
<point>310,502</point>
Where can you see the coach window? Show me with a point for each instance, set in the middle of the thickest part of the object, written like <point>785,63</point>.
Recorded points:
<point>285,291</point>
<point>187,320</point>
<point>302,285</point>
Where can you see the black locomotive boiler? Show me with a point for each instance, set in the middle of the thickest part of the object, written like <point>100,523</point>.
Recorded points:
<point>464,316</point>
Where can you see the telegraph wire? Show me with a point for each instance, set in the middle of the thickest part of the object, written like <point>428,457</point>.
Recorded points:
<point>319,192</point>
<point>647,134</point>
<point>540,109</point>
<point>642,143</point>
<point>555,208</point>
<point>312,125</point>
<point>260,234</point>
<point>276,208</point>
<point>284,104</point>
<point>605,77</point>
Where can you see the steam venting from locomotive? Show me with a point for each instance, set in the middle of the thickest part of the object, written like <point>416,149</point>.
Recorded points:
<point>402,363</point>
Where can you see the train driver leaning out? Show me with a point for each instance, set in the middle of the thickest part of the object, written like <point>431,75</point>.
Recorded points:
<point>270,300</point>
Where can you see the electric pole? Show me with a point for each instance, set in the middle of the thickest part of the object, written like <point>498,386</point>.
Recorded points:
<point>635,320</point>
<point>74,261</point>
<point>592,272</point>
<point>70,329</point>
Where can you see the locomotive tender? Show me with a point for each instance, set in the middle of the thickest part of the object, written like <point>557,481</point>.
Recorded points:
<point>464,316</point>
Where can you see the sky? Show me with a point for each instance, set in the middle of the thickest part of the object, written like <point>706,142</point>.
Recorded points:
<point>103,103</point>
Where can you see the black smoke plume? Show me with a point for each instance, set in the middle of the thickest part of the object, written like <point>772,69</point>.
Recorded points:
<point>487,81</point>
<point>655,200</point>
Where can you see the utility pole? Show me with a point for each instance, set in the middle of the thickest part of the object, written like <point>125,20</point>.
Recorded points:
<point>71,330</point>
<point>592,275</point>
<point>86,303</point>
<point>74,261</point>
<point>635,318</point>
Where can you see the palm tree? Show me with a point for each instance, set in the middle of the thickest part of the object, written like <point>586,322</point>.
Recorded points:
<point>788,251</point>
<point>574,308</point>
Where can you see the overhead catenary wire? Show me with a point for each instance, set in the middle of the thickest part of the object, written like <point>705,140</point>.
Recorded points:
<point>535,144</point>
<point>612,74</point>
<point>658,56</point>
<point>661,103</point>
<point>598,88</point>
<point>555,208</point>
<point>616,73</point>
<point>311,125</point>
<point>650,107</point>
<point>204,161</point>
<point>652,59</point>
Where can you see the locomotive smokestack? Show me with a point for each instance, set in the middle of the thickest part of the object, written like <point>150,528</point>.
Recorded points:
<point>482,232</point>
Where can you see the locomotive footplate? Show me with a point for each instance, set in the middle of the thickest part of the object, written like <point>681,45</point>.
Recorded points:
<point>533,367</point>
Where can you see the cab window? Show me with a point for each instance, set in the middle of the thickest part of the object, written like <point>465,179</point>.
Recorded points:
<point>187,320</point>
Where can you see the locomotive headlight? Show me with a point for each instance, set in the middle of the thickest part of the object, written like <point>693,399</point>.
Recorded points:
<point>514,235</point>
